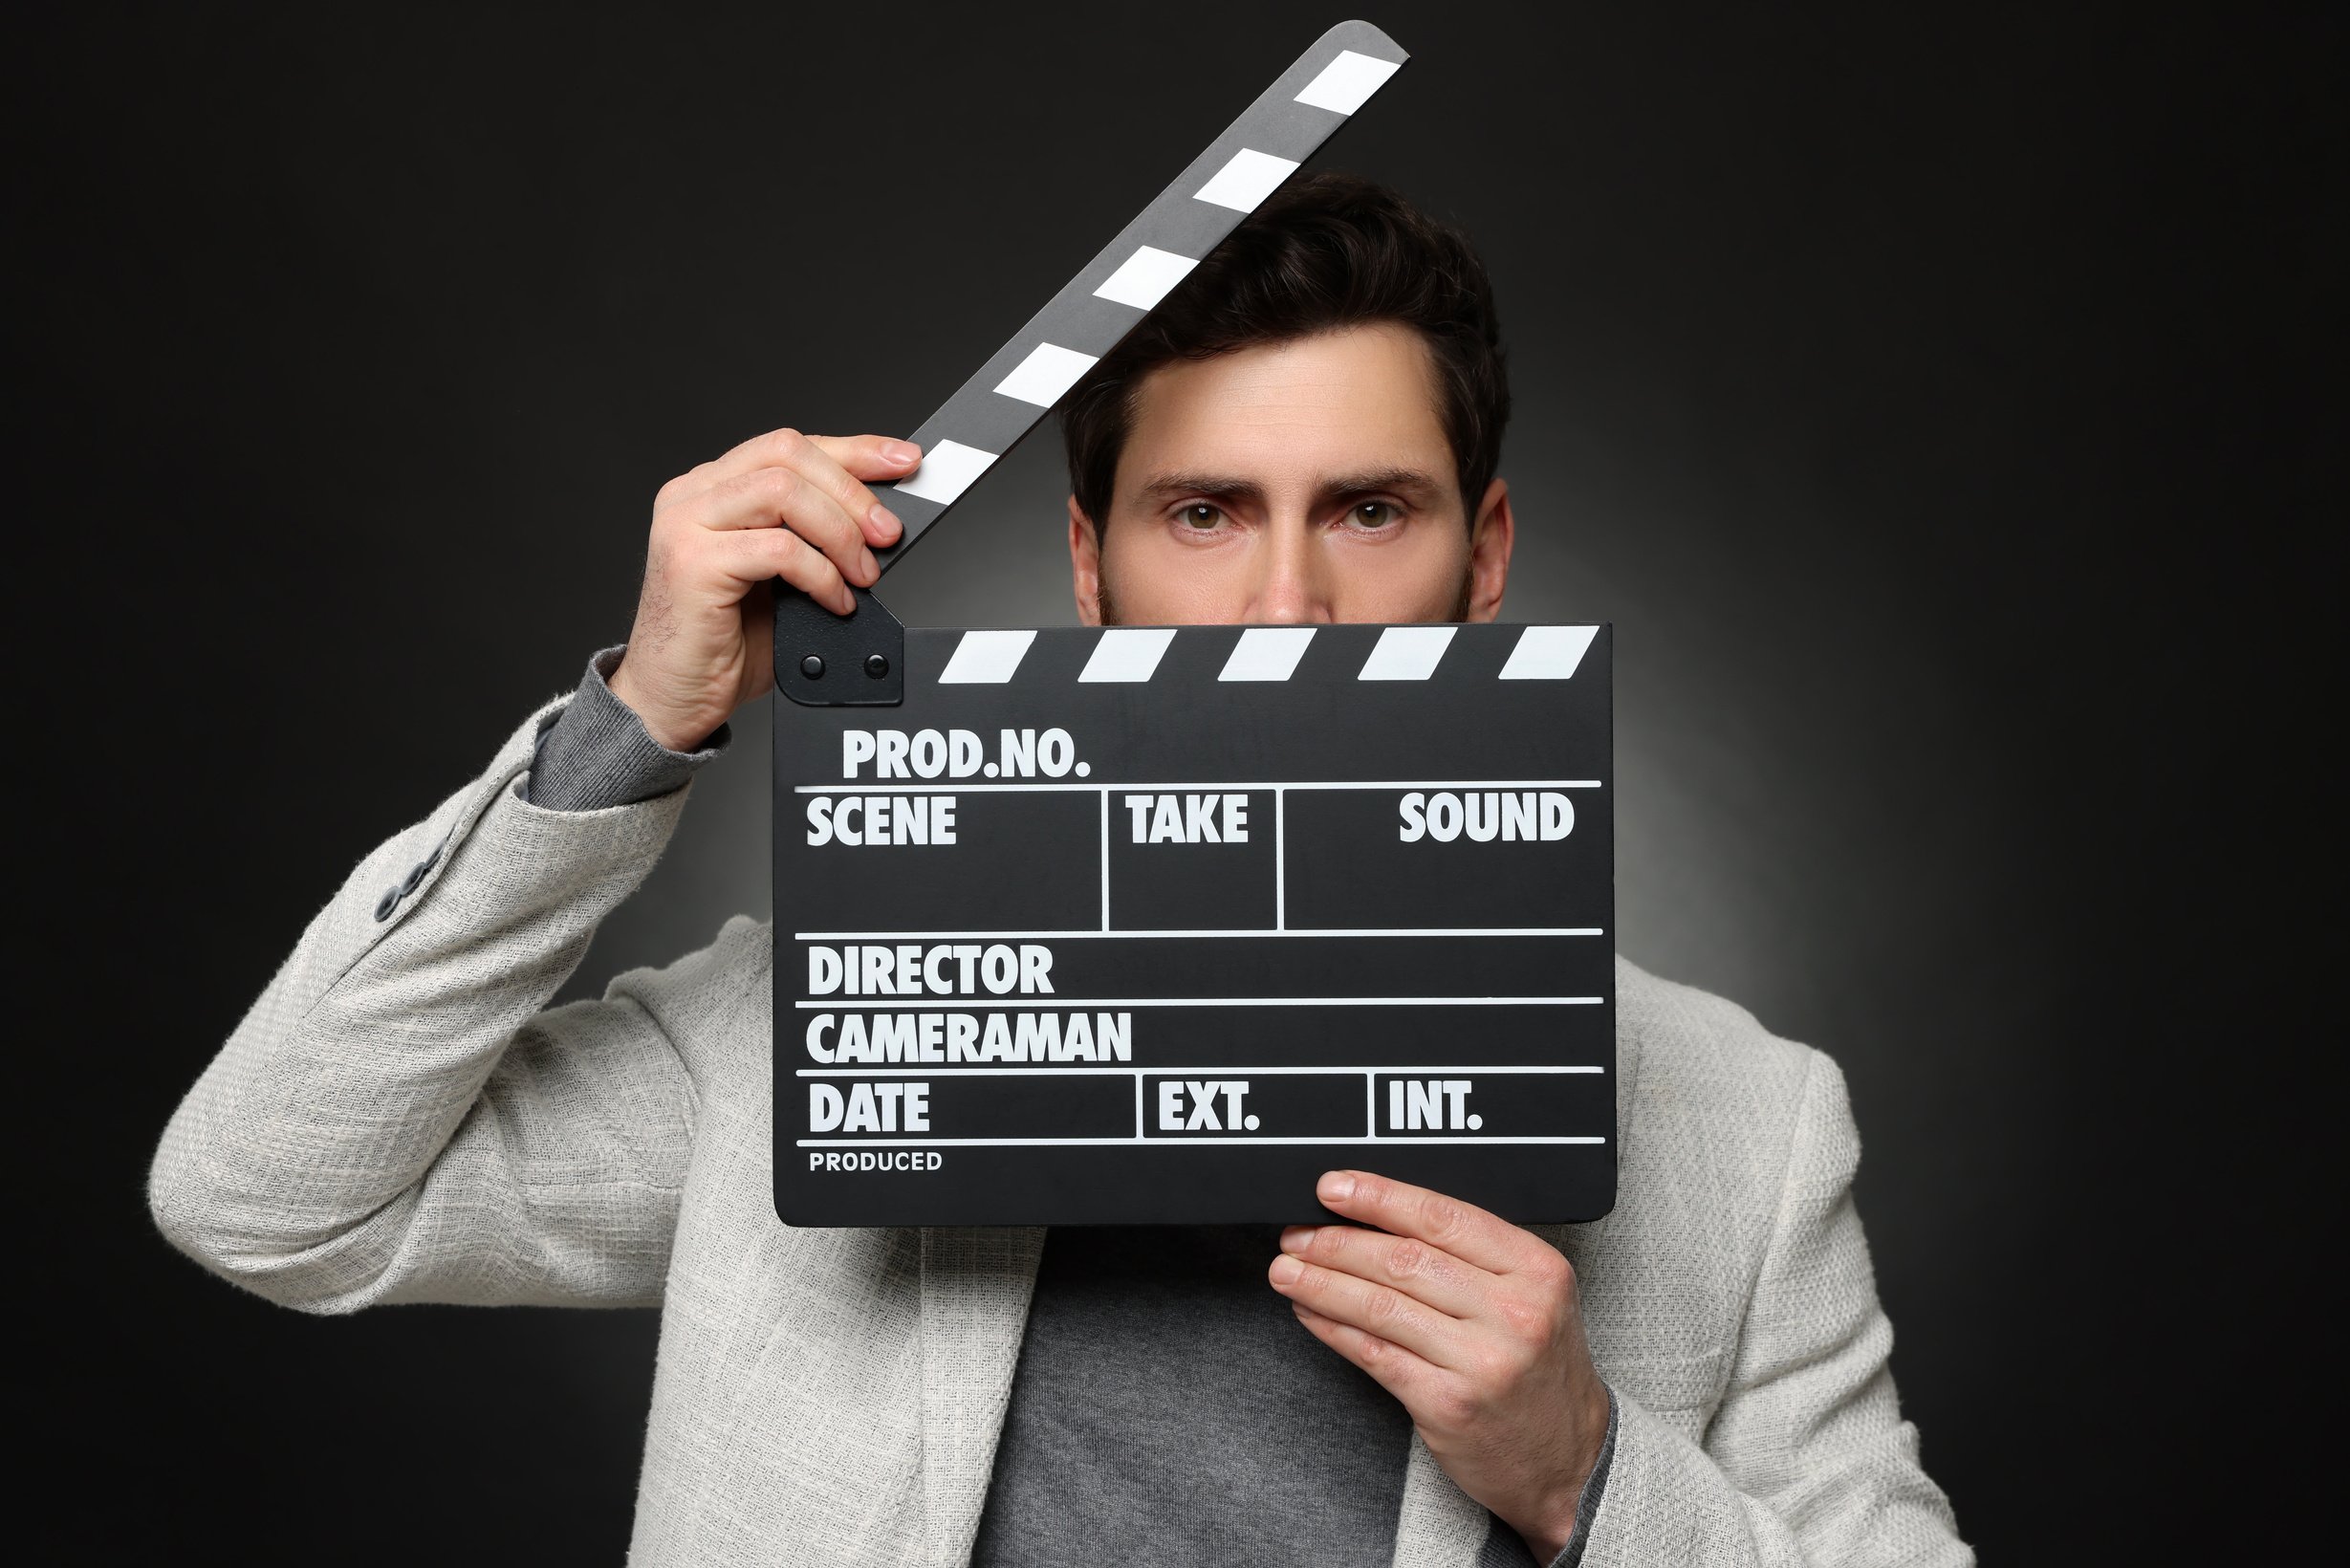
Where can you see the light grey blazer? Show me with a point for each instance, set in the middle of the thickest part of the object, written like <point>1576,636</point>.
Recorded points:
<point>401,1118</point>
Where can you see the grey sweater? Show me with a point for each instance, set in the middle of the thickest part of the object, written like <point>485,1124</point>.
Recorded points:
<point>1166,1408</point>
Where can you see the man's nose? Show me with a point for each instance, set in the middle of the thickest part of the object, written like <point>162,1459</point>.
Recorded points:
<point>1291,586</point>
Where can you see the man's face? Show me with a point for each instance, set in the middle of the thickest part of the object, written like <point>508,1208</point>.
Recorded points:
<point>1301,482</point>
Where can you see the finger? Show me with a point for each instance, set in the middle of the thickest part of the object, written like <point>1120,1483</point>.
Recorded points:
<point>757,555</point>
<point>837,461</point>
<point>840,463</point>
<point>1472,1235</point>
<point>1380,1310</point>
<point>873,458</point>
<point>885,456</point>
<point>1397,1371</point>
<point>1428,1274</point>
<point>765,497</point>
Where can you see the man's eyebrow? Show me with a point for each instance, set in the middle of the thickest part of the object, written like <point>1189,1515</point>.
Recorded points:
<point>1414,485</point>
<point>1165,487</point>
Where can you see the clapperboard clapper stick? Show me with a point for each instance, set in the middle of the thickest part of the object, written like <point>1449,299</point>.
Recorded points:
<point>1155,925</point>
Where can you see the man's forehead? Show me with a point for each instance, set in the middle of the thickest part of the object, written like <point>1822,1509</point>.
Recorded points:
<point>1322,412</point>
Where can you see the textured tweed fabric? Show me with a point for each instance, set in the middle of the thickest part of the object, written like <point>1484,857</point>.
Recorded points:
<point>402,1118</point>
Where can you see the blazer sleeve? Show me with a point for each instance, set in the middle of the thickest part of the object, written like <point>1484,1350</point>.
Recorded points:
<point>1808,1459</point>
<point>401,1118</point>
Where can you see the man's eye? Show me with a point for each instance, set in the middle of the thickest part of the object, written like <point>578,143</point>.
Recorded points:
<point>1376,514</point>
<point>1200,514</point>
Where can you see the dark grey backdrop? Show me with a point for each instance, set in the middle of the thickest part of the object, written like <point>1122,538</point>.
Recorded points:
<point>1929,395</point>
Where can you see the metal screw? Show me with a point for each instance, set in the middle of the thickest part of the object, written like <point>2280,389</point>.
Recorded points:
<point>876,665</point>
<point>811,667</point>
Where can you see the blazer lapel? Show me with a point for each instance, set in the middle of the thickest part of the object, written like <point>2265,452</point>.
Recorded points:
<point>975,1289</point>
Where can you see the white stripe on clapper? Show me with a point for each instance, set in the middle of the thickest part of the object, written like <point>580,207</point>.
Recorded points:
<point>986,658</point>
<point>1548,653</point>
<point>1267,653</point>
<point>1127,653</point>
<point>948,469</point>
<point>1144,279</point>
<point>1346,83</point>
<point>1406,653</point>
<point>1048,371</point>
<point>890,1004</point>
<point>1246,180</point>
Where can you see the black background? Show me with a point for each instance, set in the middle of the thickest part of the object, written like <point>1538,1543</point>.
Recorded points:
<point>1929,395</point>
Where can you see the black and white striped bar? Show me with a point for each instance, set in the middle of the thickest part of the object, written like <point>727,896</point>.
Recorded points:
<point>1155,924</point>
<point>1271,653</point>
<point>1020,384</point>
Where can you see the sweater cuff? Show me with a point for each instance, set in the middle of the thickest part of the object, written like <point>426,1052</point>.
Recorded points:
<point>599,753</point>
<point>1587,1506</point>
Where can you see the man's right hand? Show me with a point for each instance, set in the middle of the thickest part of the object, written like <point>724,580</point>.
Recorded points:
<point>781,505</point>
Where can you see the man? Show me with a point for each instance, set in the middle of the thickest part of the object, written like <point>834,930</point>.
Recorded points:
<point>1306,431</point>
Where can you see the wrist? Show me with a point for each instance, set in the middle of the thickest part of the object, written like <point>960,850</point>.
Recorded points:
<point>1550,1525</point>
<point>1548,1536</point>
<point>667,729</point>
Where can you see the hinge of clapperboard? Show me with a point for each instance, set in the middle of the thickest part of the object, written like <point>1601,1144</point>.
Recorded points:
<point>825,659</point>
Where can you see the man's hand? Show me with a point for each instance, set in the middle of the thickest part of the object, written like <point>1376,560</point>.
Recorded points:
<point>781,505</point>
<point>1474,1324</point>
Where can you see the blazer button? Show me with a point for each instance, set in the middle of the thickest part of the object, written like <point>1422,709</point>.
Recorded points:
<point>390,902</point>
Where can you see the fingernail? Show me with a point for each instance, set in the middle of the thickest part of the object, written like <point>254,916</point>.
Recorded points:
<point>901,453</point>
<point>1336,1187</point>
<point>872,567</point>
<point>1298,1238</point>
<point>885,522</point>
<point>1286,1270</point>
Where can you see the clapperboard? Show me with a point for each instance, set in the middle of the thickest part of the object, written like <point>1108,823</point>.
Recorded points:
<point>1155,925</point>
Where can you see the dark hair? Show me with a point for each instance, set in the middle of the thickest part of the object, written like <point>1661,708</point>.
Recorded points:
<point>1327,251</point>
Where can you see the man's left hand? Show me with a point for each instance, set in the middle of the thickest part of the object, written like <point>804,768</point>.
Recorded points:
<point>1473,1323</point>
